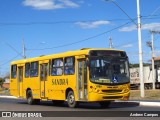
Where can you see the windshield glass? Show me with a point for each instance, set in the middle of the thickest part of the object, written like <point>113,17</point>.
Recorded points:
<point>109,70</point>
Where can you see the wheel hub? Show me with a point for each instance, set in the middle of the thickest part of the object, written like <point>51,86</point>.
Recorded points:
<point>71,99</point>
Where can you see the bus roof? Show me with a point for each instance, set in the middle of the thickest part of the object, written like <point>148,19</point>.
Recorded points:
<point>83,51</point>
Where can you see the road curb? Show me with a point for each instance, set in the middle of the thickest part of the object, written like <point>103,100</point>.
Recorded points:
<point>157,104</point>
<point>143,103</point>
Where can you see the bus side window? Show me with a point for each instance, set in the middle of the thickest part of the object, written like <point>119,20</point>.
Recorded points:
<point>34,69</point>
<point>57,67</point>
<point>13,71</point>
<point>69,66</point>
<point>27,70</point>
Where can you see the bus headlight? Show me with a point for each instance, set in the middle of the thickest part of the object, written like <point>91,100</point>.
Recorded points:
<point>94,89</point>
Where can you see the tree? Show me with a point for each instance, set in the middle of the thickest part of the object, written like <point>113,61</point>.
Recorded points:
<point>1,81</point>
<point>7,75</point>
<point>137,65</point>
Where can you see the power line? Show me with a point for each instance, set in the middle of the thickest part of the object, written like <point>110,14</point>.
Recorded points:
<point>34,23</point>
<point>83,39</point>
<point>56,22</point>
<point>149,16</point>
<point>68,22</point>
<point>152,14</point>
<point>14,49</point>
<point>153,18</point>
<point>18,54</point>
<point>9,60</point>
<point>123,11</point>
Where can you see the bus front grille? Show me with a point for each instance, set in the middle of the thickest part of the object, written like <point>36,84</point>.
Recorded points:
<point>112,97</point>
<point>112,91</point>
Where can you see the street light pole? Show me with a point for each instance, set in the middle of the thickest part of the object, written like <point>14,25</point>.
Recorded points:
<point>140,50</point>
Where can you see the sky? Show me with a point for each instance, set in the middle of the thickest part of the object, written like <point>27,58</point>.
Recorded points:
<point>55,26</point>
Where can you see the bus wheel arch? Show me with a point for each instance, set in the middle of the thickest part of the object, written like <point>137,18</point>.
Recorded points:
<point>27,91</point>
<point>67,91</point>
<point>30,99</point>
<point>29,96</point>
<point>70,96</point>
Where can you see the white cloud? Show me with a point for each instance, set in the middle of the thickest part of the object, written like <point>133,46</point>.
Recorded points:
<point>50,4</point>
<point>128,29</point>
<point>68,3</point>
<point>89,25</point>
<point>127,46</point>
<point>149,26</point>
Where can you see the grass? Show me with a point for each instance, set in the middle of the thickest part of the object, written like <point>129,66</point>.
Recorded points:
<point>1,89</point>
<point>149,95</point>
<point>4,92</point>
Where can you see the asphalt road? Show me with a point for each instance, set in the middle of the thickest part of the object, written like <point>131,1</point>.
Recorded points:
<point>21,105</point>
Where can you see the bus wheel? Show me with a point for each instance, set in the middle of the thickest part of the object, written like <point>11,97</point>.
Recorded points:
<point>30,99</point>
<point>71,100</point>
<point>105,104</point>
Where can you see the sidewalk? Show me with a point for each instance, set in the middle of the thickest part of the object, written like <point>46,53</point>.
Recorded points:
<point>140,102</point>
<point>144,102</point>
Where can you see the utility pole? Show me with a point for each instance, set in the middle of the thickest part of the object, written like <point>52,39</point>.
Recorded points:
<point>153,78</point>
<point>110,43</point>
<point>140,50</point>
<point>153,55</point>
<point>23,49</point>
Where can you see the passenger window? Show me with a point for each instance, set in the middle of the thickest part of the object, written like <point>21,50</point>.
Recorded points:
<point>13,71</point>
<point>34,69</point>
<point>69,66</point>
<point>27,69</point>
<point>57,67</point>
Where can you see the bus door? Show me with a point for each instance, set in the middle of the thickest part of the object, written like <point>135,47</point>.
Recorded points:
<point>20,81</point>
<point>82,80</point>
<point>43,78</point>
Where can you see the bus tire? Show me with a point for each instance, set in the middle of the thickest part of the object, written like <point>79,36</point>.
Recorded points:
<point>105,104</point>
<point>71,100</point>
<point>30,99</point>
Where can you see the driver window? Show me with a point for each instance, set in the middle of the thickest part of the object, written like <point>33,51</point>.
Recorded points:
<point>116,69</point>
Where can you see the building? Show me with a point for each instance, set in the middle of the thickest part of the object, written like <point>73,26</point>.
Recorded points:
<point>6,83</point>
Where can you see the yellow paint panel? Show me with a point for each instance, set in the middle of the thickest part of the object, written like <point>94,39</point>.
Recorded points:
<point>14,87</point>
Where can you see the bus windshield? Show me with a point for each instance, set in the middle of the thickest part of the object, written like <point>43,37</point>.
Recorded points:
<point>109,70</point>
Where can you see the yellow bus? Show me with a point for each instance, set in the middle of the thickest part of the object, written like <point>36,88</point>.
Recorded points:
<point>85,75</point>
